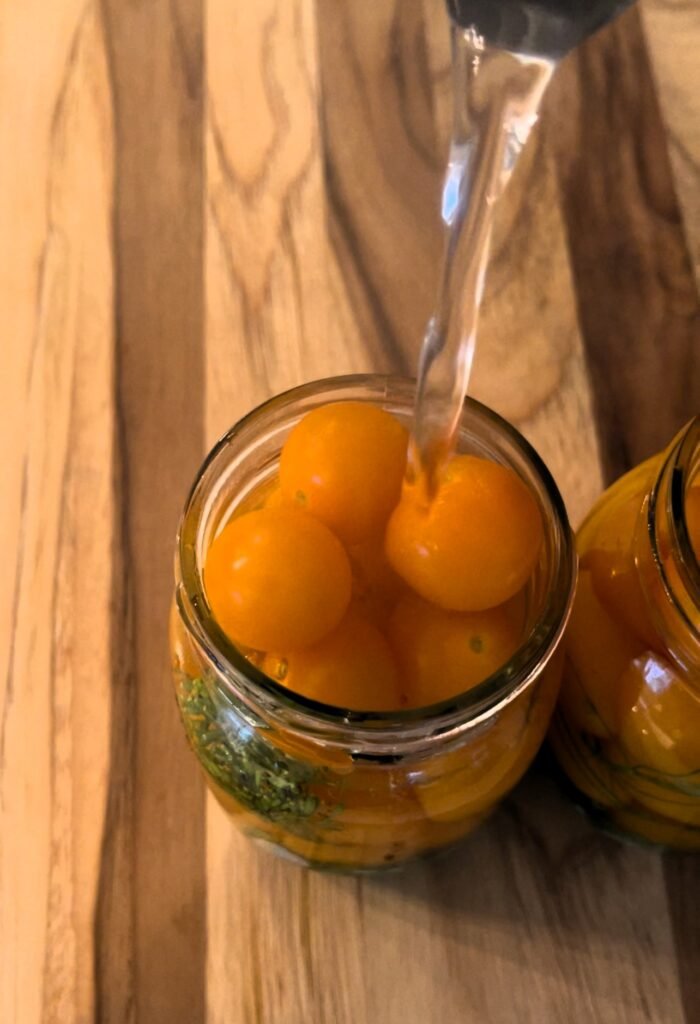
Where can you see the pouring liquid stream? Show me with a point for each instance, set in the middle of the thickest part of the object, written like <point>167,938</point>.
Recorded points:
<point>497,94</point>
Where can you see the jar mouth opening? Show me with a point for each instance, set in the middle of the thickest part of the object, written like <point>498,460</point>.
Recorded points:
<point>683,469</point>
<point>465,710</point>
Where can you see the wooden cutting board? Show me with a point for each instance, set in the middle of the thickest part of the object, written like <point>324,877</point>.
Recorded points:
<point>202,204</point>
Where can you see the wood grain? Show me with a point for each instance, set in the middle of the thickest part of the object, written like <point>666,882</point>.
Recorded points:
<point>158,419</point>
<point>637,295</point>
<point>58,514</point>
<point>671,31</point>
<point>201,205</point>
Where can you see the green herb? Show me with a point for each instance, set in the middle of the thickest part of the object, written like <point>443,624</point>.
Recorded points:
<point>246,765</point>
<point>687,783</point>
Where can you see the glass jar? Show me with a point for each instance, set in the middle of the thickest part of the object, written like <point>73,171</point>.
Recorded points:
<point>627,727</point>
<point>344,789</point>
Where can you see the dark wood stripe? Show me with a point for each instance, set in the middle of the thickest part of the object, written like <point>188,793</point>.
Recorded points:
<point>151,916</point>
<point>637,298</point>
<point>114,912</point>
<point>683,887</point>
<point>384,166</point>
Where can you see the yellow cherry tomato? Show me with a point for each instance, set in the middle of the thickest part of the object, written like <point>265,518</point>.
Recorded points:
<point>344,462</point>
<point>614,524</point>
<point>274,497</point>
<point>277,579</point>
<point>609,557</point>
<point>673,797</point>
<point>375,586</point>
<point>598,650</point>
<point>612,520</point>
<point>378,826</point>
<point>475,544</point>
<point>441,654</point>
<point>377,820</point>
<point>352,667</point>
<point>659,718</point>
<point>655,829</point>
<point>469,780</point>
<point>616,583</point>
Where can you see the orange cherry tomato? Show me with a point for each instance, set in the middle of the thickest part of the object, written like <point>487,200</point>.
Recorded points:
<point>598,651</point>
<point>274,497</point>
<point>674,797</point>
<point>655,829</point>
<point>617,585</point>
<point>375,586</point>
<point>610,559</point>
<point>473,777</point>
<point>344,462</point>
<point>660,718</point>
<point>352,667</point>
<point>612,524</point>
<point>477,542</point>
<point>441,654</point>
<point>277,578</point>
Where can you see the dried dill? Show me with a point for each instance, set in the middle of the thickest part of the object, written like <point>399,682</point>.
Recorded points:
<point>256,774</point>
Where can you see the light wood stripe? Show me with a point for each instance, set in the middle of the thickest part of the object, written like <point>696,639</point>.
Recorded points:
<point>58,516</point>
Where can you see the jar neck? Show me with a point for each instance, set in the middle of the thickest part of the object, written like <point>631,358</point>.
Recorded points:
<point>668,567</point>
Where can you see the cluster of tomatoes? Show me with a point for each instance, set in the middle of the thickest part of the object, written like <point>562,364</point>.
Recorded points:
<point>622,688</point>
<point>352,588</point>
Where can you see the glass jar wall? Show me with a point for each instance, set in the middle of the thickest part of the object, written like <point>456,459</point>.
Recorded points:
<point>347,789</point>
<point>627,728</point>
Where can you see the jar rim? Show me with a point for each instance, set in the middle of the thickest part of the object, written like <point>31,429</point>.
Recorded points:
<point>376,728</point>
<point>681,467</point>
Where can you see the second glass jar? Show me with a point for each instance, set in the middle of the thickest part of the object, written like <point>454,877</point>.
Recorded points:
<point>627,729</point>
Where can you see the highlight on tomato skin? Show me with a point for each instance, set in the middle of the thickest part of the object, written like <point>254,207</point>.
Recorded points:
<point>277,579</point>
<point>659,716</point>
<point>442,654</point>
<point>352,667</point>
<point>344,462</point>
<point>475,545</point>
